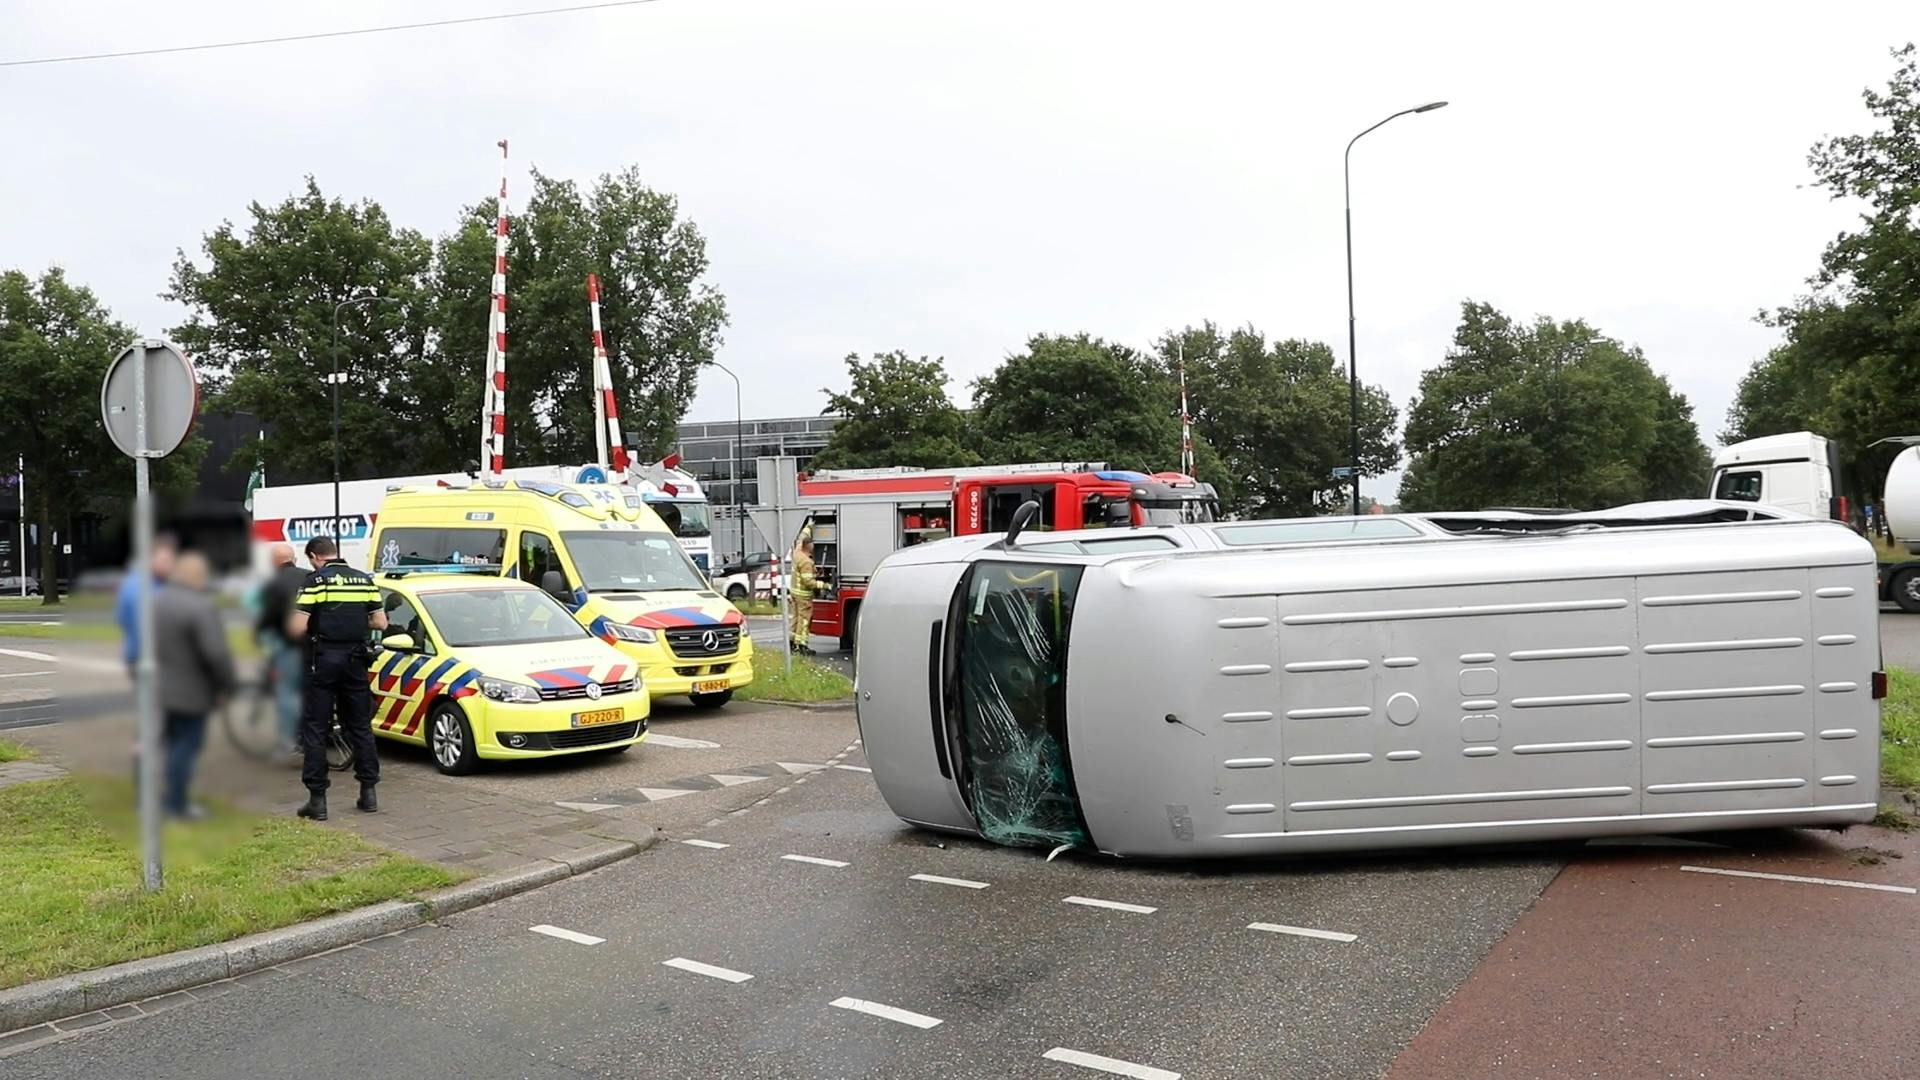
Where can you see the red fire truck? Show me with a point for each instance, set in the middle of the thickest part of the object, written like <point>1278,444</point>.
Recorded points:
<point>861,515</point>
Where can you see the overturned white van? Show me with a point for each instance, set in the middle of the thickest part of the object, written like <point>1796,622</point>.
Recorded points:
<point>1390,681</point>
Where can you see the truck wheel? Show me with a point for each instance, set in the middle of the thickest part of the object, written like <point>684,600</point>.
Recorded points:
<point>711,701</point>
<point>850,629</point>
<point>736,592</point>
<point>1906,590</point>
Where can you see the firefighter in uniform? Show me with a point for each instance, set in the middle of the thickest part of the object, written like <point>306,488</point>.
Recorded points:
<point>336,608</point>
<point>800,593</point>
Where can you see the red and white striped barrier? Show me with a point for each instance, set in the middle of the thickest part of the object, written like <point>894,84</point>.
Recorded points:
<point>493,412</point>
<point>606,411</point>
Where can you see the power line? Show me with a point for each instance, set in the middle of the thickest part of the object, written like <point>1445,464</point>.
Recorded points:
<point>325,34</point>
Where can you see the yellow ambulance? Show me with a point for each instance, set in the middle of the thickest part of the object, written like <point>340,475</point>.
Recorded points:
<point>597,549</point>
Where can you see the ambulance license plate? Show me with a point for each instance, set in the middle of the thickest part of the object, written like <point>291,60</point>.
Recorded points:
<point>711,686</point>
<point>599,716</point>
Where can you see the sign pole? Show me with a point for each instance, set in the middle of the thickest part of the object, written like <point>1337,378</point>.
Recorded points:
<point>21,558</point>
<point>146,670</point>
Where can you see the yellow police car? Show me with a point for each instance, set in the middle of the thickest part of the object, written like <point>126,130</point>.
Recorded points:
<point>474,666</point>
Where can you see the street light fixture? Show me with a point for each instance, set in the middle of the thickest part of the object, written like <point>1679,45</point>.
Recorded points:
<point>334,378</point>
<point>1353,368</point>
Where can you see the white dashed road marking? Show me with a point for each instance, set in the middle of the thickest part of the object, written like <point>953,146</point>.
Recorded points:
<point>22,654</point>
<point>1302,931</point>
<point>1803,880</point>
<point>1108,1065</point>
<point>814,861</point>
<point>589,807</point>
<point>961,882</point>
<point>885,1012</point>
<point>854,768</point>
<point>735,780</point>
<point>799,766</point>
<point>659,794</point>
<point>709,970</point>
<point>714,844</point>
<point>1114,905</point>
<point>567,935</point>
<point>22,674</point>
<point>676,742</point>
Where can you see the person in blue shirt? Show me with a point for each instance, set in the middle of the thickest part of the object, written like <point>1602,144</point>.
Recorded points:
<point>126,607</point>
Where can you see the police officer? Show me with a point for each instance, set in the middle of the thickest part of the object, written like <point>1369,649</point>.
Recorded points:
<point>336,608</point>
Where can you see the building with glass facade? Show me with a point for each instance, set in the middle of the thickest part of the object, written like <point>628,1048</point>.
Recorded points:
<point>707,450</point>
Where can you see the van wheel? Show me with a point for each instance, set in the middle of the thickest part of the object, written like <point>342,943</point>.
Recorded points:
<point>450,739</point>
<point>736,592</point>
<point>711,701</point>
<point>850,629</point>
<point>1906,590</point>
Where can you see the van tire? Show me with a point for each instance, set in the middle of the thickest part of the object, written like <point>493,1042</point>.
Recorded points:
<point>447,726</point>
<point>711,701</point>
<point>736,592</point>
<point>1906,590</point>
<point>850,628</point>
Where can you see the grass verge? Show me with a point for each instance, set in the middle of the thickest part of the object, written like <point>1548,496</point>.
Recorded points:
<point>1900,731</point>
<point>758,607</point>
<point>810,682</point>
<point>13,751</point>
<point>70,895</point>
<point>239,639</point>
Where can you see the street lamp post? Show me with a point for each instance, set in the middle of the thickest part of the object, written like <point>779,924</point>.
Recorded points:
<point>1353,368</point>
<point>738,423</point>
<point>334,378</point>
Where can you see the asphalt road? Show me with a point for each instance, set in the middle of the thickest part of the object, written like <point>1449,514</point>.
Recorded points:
<point>1011,972</point>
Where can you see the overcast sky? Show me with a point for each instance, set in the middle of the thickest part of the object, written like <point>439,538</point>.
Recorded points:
<point>948,178</point>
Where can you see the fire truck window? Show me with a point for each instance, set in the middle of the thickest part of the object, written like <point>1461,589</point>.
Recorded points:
<point>1003,501</point>
<point>1012,680</point>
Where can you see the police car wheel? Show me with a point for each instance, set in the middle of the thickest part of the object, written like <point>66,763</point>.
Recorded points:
<point>711,701</point>
<point>450,739</point>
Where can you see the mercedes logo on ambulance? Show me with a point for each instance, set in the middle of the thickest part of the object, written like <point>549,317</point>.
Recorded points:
<point>710,641</point>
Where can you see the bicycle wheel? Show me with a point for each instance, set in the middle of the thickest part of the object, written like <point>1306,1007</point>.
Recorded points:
<point>339,750</point>
<point>253,720</point>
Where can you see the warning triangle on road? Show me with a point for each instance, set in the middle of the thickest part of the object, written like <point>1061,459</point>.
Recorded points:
<point>799,766</point>
<point>730,779</point>
<point>588,807</point>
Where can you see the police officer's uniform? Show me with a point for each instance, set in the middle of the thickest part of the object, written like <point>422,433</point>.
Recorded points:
<point>337,600</point>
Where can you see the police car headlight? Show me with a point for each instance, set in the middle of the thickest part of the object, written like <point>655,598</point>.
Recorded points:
<point>502,690</point>
<point>638,634</point>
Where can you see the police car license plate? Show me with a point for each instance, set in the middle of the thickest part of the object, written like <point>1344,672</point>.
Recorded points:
<point>711,686</point>
<point>598,716</point>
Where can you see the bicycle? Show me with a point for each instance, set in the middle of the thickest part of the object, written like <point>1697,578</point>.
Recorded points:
<point>253,724</point>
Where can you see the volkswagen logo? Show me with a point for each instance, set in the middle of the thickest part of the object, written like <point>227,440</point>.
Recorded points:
<point>710,641</point>
<point>593,691</point>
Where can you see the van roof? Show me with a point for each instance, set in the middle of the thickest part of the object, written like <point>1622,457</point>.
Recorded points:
<point>593,501</point>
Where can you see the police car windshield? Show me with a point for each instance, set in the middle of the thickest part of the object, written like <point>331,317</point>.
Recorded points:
<point>477,617</point>
<point>632,562</point>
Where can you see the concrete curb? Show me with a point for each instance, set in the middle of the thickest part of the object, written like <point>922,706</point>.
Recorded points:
<point>807,706</point>
<point>121,984</point>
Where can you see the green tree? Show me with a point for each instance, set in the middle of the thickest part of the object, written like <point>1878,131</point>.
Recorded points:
<point>1077,398</point>
<point>1850,361</point>
<point>260,329</point>
<point>56,340</point>
<point>661,321</point>
<point>1550,413</point>
<point>1279,417</point>
<point>895,412</point>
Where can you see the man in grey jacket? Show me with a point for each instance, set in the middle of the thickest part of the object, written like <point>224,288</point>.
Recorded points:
<point>196,672</point>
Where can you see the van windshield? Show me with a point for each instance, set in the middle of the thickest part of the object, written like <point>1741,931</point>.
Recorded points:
<point>632,562</point>
<point>684,518</point>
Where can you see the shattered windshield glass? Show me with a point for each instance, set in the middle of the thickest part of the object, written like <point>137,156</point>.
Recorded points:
<point>1012,681</point>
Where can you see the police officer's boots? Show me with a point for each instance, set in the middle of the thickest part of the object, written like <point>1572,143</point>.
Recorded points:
<point>367,803</point>
<point>316,807</point>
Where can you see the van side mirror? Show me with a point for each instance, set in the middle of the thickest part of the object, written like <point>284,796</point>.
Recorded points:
<point>398,642</point>
<point>556,586</point>
<point>1021,519</point>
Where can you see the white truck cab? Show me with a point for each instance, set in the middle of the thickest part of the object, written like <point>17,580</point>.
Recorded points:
<point>1797,471</point>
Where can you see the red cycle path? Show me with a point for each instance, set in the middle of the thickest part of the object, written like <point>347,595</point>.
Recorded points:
<point>1628,966</point>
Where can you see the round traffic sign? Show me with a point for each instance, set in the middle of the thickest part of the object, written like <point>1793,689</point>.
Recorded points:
<point>172,399</point>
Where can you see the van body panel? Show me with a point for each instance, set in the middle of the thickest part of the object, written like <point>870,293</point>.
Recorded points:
<point>1441,690</point>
